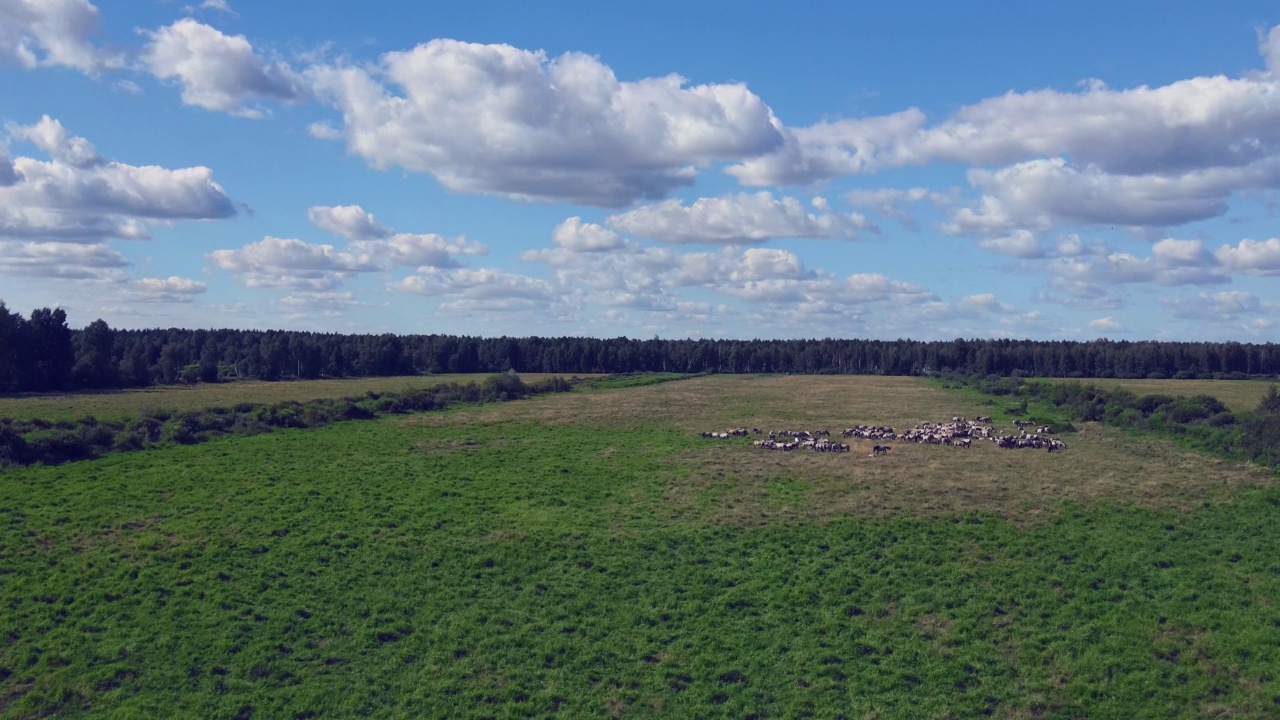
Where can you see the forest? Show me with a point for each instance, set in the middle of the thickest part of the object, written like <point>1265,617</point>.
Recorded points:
<point>41,353</point>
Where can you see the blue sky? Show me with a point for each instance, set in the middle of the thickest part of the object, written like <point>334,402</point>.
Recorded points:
<point>703,169</point>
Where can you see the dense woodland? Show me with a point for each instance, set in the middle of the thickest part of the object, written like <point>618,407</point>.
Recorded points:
<point>41,353</point>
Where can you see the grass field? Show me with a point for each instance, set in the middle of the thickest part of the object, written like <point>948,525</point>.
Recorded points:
<point>1237,395</point>
<point>586,554</point>
<point>180,398</point>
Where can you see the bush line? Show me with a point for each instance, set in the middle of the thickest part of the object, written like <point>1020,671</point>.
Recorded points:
<point>27,442</point>
<point>1201,421</point>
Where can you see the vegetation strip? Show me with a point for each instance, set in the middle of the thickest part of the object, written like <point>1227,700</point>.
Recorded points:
<point>1201,421</point>
<point>26,442</point>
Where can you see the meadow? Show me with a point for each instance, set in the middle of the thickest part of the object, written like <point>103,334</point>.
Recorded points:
<point>133,403</point>
<point>587,554</point>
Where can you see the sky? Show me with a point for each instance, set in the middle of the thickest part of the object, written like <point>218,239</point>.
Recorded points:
<point>671,169</point>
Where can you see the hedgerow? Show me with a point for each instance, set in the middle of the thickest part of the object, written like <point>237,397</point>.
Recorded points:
<point>27,442</point>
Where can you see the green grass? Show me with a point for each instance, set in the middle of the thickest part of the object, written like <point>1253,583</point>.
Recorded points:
<point>636,380</point>
<point>130,404</point>
<point>539,558</point>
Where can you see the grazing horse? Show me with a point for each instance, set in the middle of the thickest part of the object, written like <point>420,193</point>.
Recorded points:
<point>880,450</point>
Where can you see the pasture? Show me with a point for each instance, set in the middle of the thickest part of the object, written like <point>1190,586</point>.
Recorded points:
<point>182,398</point>
<point>587,554</point>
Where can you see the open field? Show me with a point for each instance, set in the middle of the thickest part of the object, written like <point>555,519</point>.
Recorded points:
<point>586,554</point>
<point>1237,395</point>
<point>181,398</point>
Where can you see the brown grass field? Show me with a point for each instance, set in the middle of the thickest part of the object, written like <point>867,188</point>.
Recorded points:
<point>1237,395</point>
<point>732,482</point>
<point>180,398</point>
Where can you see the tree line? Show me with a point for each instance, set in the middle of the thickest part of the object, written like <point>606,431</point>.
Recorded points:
<point>41,353</point>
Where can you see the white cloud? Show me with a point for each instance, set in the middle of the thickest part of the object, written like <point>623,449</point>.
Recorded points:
<point>1269,47</point>
<point>327,303</point>
<point>63,260</point>
<point>217,72</point>
<point>737,219</point>
<point>219,5</point>
<point>1185,126</point>
<point>1252,257</point>
<point>35,33</point>
<point>577,236</point>
<point>829,149</point>
<point>983,303</point>
<point>1220,306</point>
<point>170,289</point>
<point>50,136</point>
<point>79,196</point>
<point>349,221</point>
<point>651,278</point>
<point>324,131</point>
<point>407,250</point>
<point>293,264</point>
<point>484,290</point>
<point>1172,262</point>
<point>1019,244</point>
<point>894,203</point>
<point>506,121</point>
<point>283,262</point>
<point>1040,194</point>
<point>1106,324</point>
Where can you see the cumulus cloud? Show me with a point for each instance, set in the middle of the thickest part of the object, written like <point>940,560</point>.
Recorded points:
<point>68,261</point>
<point>324,131</point>
<point>349,221</point>
<point>1252,257</point>
<point>283,262</point>
<point>35,33</point>
<point>1172,262</point>
<point>829,149</point>
<point>170,289</point>
<point>1106,324</point>
<point>896,203</point>
<point>983,303</point>
<point>650,279</point>
<point>577,236</point>
<point>1019,244</point>
<point>484,291</point>
<point>512,122</point>
<point>738,219</point>
<point>297,265</point>
<point>219,5</point>
<point>1220,306</point>
<point>50,136</point>
<point>1188,125</point>
<point>217,72</point>
<point>79,196</point>
<point>1040,194</point>
<point>1269,47</point>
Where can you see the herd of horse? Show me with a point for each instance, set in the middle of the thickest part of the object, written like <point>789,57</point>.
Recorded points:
<point>958,432</point>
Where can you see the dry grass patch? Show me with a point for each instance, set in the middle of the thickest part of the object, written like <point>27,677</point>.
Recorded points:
<point>731,482</point>
<point>719,402</point>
